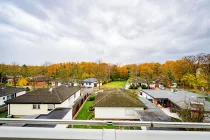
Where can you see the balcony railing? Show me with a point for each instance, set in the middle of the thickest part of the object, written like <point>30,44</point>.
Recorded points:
<point>32,133</point>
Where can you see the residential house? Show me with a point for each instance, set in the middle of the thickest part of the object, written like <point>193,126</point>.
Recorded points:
<point>56,83</point>
<point>7,93</point>
<point>116,105</point>
<point>39,81</point>
<point>153,113</point>
<point>139,81</point>
<point>91,82</point>
<point>74,82</point>
<point>43,101</point>
<point>176,99</point>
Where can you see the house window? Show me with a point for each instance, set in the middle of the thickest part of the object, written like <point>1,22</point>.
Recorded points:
<point>89,83</point>
<point>75,95</point>
<point>36,106</point>
<point>129,112</point>
<point>3,98</point>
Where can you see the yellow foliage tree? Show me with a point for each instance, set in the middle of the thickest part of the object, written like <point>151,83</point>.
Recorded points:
<point>22,82</point>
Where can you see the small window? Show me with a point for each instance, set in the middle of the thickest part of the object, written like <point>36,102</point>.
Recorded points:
<point>34,106</point>
<point>75,95</point>
<point>89,83</point>
<point>3,98</point>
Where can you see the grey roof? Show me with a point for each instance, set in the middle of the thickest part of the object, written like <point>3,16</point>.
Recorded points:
<point>4,91</point>
<point>116,99</point>
<point>90,80</point>
<point>180,98</point>
<point>45,96</point>
<point>40,78</point>
<point>153,113</point>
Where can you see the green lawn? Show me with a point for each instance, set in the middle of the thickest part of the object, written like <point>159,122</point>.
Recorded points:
<point>85,114</point>
<point>115,84</point>
<point>3,114</point>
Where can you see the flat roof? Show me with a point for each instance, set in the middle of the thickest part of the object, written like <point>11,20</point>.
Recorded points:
<point>180,98</point>
<point>153,113</point>
<point>58,113</point>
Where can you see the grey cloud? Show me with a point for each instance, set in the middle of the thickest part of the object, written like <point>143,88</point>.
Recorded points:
<point>119,31</point>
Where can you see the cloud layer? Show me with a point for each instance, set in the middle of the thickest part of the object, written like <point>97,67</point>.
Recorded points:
<point>118,31</point>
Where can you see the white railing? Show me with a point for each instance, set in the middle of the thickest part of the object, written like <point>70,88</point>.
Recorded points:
<point>108,122</point>
<point>32,133</point>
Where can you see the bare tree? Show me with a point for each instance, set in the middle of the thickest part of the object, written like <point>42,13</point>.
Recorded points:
<point>194,61</point>
<point>14,72</point>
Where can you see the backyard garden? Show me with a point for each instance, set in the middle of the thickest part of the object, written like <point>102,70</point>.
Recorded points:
<point>87,113</point>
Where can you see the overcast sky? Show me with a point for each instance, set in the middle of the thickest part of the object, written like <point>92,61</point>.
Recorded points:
<point>117,31</point>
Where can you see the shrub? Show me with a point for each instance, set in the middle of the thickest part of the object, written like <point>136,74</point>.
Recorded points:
<point>91,108</point>
<point>104,82</point>
<point>27,89</point>
<point>92,97</point>
<point>131,87</point>
<point>144,87</point>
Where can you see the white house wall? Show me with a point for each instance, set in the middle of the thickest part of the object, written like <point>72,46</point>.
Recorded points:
<point>2,100</point>
<point>115,113</point>
<point>27,109</point>
<point>68,103</point>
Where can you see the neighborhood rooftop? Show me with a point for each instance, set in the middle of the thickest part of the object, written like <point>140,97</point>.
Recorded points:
<point>4,91</point>
<point>180,98</point>
<point>90,80</point>
<point>45,96</point>
<point>116,99</point>
<point>153,113</point>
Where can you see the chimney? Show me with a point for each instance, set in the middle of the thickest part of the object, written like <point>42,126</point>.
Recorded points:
<point>51,90</point>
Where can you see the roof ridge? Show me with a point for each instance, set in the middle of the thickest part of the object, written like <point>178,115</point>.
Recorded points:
<point>103,97</point>
<point>57,95</point>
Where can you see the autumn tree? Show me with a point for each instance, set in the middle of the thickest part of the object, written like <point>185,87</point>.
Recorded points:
<point>3,73</point>
<point>114,73</point>
<point>44,72</point>
<point>64,73</point>
<point>22,82</point>
<point>205,68</point>
<point>14,72</point>
<point>100,72</point>
<point>24,71</point>
<point>123,72</point>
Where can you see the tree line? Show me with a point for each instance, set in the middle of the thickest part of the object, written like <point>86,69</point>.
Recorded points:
<point>190,71</point>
